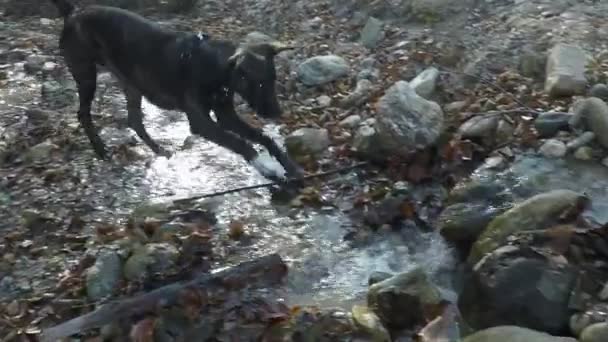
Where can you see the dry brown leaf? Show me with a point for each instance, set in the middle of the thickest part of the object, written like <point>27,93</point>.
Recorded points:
<point>408,210</point>
<point>236,229</point>
<point>143,331</point>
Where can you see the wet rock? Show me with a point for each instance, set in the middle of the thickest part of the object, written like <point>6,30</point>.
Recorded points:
<point>366,142</point>
<point>36,116</point>
<point>455,107</point>
<point>512,286</point>
<point>584,153</point>
<point>360,95</point>
<point>406,121</point>
<point>595,333</point>
<point>549,124</point>
<point>322,69</point>
<point>8,288</point>
<point>424,84</point>
<point>507,333</point>
<point>57,95</point>
<point>149,259</point>
<point>481,126</point>
<point>104,276</point>
<point>401,301</point>
<point>370,323</point>
<point>464,222</point>
<point>532,214</point>
<point>594,314</point>
<point>351,121</point>
<point>377,277</point>
<point>553,148</point>
<point>41,152</point>
<point>307,141</point>
<point>14,55</point>
<point>372,33</point>
<point>34,63</point>
<point>594,113</point>
<point>257,37</point>
<point>532,65</point>
<point>578,323</point>
<point>432,10</point>
<point>155,210</point>
<point>504,132</point>
<point>371,74</point>
<point>323,101</point>
<point>582,140</point>
<point>566,71</point>
<point>599,90</point>
<point>479,190</point>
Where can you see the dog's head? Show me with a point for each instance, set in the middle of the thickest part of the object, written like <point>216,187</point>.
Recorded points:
<point>254,76</point>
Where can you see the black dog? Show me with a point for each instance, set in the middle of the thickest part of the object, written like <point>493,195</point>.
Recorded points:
<point>173,70</point>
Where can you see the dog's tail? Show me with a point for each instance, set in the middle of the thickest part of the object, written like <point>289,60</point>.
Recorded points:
<point>64,6</point>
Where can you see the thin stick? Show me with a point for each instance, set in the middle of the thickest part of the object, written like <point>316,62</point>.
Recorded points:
<point>269,184</point>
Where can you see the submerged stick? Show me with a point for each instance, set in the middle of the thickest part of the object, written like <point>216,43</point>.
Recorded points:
<point>269,184</point>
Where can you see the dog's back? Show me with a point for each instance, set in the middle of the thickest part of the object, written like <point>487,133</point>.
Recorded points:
<point>139,52</point>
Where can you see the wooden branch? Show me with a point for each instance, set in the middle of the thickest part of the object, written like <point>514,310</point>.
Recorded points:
<point>263,272</point>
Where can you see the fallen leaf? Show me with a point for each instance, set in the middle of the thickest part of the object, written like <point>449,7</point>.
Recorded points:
<point>143,331</point>
<point>236,229</point>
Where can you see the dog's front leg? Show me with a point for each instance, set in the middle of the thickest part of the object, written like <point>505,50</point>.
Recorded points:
<point>205,127</point>
<point>230,120</point>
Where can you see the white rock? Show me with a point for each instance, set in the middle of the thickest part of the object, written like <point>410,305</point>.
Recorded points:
<point>324,101</point>
<point>553,148</point>
<point>351,121</point>
<point>566,71</point>
<point>425,82</point>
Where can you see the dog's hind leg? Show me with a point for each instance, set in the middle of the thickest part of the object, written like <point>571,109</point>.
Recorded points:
<point>85,75</point>
<point>136,121</point>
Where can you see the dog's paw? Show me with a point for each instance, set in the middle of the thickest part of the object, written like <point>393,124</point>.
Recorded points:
<point>164,153</point>
<point>102,153</point>
<point>274,173</point>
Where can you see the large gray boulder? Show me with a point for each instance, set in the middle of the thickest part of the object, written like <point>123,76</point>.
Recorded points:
<point>405,121</point>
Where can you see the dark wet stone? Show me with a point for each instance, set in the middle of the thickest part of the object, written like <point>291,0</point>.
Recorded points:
<point>548,124</point>
<point>518,287</point>
<point>401,301</point>
<point>377,277</point>
<point>599,90</point>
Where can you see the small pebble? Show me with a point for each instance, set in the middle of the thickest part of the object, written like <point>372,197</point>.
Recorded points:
<point>584,153</point>
<point>553,148</point>
<point>599,90</point>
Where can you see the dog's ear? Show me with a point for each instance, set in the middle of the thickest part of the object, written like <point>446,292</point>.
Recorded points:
<point>236,58</point>
<point>278,47</point>
<point>244,55</point>
<point>270,49</point>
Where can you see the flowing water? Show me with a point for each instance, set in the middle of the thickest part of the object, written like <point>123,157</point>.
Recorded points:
<point>324,270</point>
<point>531,174</point>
